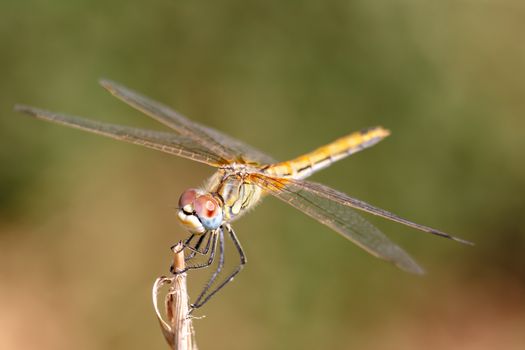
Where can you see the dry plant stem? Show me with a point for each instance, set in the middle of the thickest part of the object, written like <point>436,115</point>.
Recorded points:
<point>178,328</point>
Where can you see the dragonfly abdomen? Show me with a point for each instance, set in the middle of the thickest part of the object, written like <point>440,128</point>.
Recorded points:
<point>307,164</point>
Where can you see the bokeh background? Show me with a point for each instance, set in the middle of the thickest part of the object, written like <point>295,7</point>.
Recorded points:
<point>86,223</point>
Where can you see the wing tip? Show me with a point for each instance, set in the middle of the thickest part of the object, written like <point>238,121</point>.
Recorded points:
<point>446,235</point>
<point>107,84</point>
<point>28,110</point>
<point>21,108</point>
<point>463,241</point>
<point>413,269</point>
<point>407,264</point>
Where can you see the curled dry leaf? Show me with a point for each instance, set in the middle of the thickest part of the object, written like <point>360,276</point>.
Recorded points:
<point>177,325</point>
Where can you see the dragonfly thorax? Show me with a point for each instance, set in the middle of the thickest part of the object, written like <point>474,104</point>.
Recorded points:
<point>199,211</point>
<point>237,193</point>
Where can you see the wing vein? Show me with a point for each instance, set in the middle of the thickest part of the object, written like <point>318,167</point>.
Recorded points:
<point>162,141</point>
<point>340,218</point>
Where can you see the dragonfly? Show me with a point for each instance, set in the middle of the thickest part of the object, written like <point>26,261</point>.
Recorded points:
<point>244,175</point>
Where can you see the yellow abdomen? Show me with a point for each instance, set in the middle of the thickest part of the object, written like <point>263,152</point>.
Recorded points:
<point>305,165</point>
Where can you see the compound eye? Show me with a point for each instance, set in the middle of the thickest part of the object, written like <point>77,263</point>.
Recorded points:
<point>208,210</point>
<point>206,206</point>
<point>187,198</point>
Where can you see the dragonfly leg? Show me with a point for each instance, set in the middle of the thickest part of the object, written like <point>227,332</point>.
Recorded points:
<point>217,270</point>
<point>193,250</point>
<point>205,295</point>
<point>196,249</point>
<point>184,245</point>
<point>213,246</point>
<point>187,245</point>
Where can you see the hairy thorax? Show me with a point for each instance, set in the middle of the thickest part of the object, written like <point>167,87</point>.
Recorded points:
<point>232,184</point>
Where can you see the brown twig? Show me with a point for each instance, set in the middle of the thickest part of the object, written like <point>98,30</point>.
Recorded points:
<point>178,327</point>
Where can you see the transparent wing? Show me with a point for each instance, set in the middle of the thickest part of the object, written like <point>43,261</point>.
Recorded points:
<point>328,193</point>
<point>162,141</point>
<point>216,142</point>
<point>339,217</point>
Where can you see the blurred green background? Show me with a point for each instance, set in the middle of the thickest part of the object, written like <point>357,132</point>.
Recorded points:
<point>86,222</point>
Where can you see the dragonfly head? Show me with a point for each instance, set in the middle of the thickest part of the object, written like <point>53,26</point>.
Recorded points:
<point>199,211</point>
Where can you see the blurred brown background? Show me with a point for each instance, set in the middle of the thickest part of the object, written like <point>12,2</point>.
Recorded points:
<point>86,222</point>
